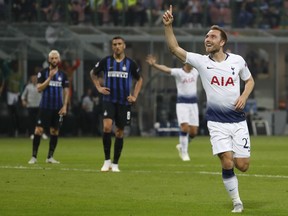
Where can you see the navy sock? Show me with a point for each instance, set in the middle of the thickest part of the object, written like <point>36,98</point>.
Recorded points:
<point>227,173</point>
<point>36,143</point>
<point>52,145</point>
<point>107,144</point>
<point>118,146</point>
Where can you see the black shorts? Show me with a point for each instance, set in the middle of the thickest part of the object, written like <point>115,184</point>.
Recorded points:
<point>48,118</point>
<point>119,113</point>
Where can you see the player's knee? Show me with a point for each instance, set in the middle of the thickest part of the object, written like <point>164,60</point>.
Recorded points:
<point>119,133</point>
<point>243,166</point>
<point>184,128</point>
<point>39,131</point>
<point>54,131</point>
<point>193,132</point>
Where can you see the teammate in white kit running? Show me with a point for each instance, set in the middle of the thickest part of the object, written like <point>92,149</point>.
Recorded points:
<point>220,74</point>
<point>186,106</point>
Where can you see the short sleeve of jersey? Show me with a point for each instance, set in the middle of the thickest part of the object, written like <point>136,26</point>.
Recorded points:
<point>41,76</point>
<point>194,59</point>
<point>135,70</point>
<point>65,82</point>
<point>100,66</point>
<point>175,72</point>
<point>245,72</point>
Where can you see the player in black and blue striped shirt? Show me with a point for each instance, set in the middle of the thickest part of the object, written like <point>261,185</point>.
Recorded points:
<point>119,73</point>
<point>54,85</point>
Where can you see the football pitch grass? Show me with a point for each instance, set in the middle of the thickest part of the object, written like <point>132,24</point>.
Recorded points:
<point>153,180</point>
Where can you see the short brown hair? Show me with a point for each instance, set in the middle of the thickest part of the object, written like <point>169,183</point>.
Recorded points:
<point>118,37</point>
<point>222,32</point>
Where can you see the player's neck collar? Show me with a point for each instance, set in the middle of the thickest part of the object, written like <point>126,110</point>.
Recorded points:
<point>226,56</point>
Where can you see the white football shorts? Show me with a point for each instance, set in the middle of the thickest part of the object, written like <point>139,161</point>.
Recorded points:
<point>187,113</point>
<point>233,137</point>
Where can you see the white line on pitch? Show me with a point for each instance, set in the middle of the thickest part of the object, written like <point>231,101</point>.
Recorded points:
<point>138,171</point>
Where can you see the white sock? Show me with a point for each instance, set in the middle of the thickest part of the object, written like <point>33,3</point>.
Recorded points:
<point>184,143</point>
<point>231,185</point>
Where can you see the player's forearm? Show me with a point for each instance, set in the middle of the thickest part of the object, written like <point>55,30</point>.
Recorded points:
<point>173,45</point>
<point>138,87</point>
<point>170,38</point>
<point>162,68</point>
<point>95,80</point>
<point>42,86</point>
<point>66,97</point>
<point>249,86</point>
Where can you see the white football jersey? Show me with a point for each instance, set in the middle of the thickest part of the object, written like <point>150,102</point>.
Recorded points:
<point>186,84</point>
<point>221,81</point>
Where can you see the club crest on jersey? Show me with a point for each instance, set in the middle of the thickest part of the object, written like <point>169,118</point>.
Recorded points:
<point>233,72</point>
<point>39,75</point>
<point>124,68</point>
<point>59,78</point>
<point>222,81</point>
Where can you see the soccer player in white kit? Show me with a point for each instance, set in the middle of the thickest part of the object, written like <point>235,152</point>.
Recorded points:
<point>220,74</point>
<point>186,106</point>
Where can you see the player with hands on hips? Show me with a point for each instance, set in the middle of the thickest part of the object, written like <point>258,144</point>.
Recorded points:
<point>119,73</point>
<point>186,106</point>
<point>220,74</point>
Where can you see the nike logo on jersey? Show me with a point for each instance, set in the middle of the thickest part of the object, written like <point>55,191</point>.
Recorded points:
<point>210,67</point>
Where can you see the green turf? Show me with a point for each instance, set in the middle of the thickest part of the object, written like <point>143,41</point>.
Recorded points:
<point>153,180</point>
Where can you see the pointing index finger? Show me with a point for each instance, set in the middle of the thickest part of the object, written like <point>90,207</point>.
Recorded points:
<point>170,9</point>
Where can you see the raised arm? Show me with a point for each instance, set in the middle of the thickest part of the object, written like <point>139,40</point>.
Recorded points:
<point>151,60</point>
<point>172,43</point>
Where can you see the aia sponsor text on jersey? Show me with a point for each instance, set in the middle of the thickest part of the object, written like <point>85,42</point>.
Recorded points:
<point>222,81</point>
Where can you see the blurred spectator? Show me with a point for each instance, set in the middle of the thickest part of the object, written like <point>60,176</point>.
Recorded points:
<point>69,66</point>
<point>24,10</point>
<point>152,10</point>
<point>13,82</point>
<point>117,10</point>
<point>91,112</point>
<point>30,98</point>
<point>275,14</point>
<point>284,15</point>
<point>246,13</point>
<point>103,7</point>
<point>87,106</point>
<point>53,10</point>
<point>46,9</point>
<point>141,12</point>
<point>220,12</point>
<point>3,10</point>
<point>193,13</point>
<point>77,11</point>
<point>130,12</point>
<point>165,6</point>
<point>264,14</point>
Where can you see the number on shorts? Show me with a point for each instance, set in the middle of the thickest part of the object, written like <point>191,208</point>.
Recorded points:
<point>246,142</point>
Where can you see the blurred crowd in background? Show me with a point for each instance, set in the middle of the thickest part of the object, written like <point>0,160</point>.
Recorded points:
<point>265,14</point>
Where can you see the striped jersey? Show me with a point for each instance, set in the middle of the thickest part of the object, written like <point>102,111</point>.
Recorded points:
<point>52,95</point>
<point>221,81</point>
<point>118,77</point>
<point>186,84</point>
